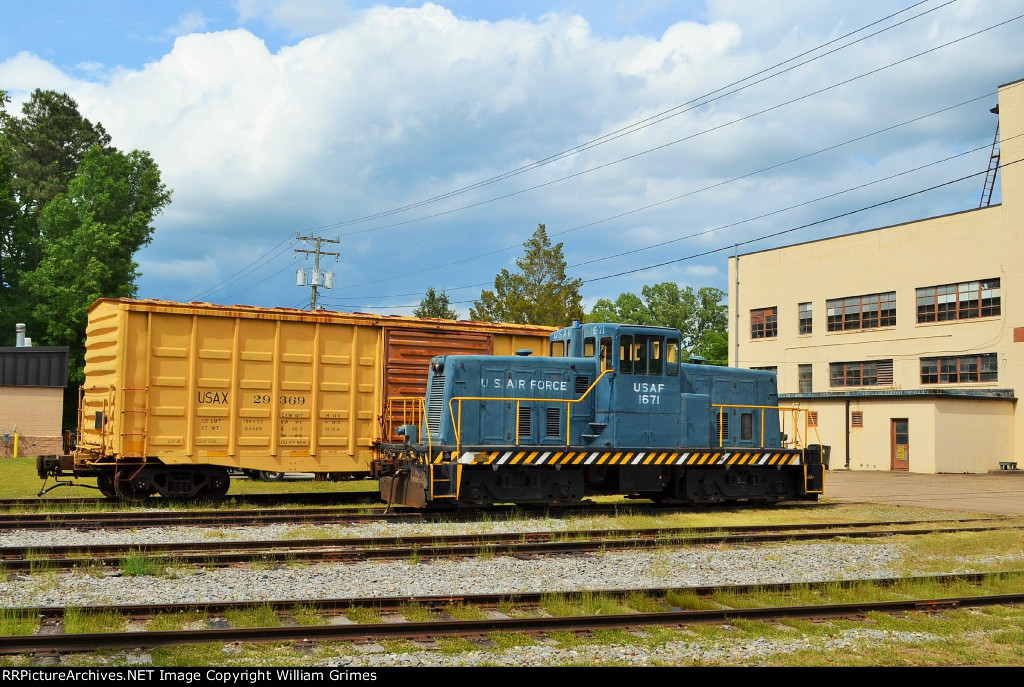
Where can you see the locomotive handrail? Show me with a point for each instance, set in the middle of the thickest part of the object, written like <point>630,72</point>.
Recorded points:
<point>567,401</point>
<point>783,410</point>
<point>419,410</point>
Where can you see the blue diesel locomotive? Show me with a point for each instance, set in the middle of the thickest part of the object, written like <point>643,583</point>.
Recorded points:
<point>612,411</point>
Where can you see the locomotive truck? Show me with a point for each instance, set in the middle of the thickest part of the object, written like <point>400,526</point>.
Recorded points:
<point>611,410</point>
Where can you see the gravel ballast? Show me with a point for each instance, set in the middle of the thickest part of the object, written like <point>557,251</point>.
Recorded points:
<point>668,567</point>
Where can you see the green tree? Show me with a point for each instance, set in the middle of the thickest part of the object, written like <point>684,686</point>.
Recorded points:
<point>538,293</point>
<point>40,153</point>
<point>701,316</point>
<point>48,143</point>
<point>92,234</point>
<point>435,305</point>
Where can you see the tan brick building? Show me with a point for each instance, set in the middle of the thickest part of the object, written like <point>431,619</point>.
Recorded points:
<point>906,340</point>
<point>32,381</point>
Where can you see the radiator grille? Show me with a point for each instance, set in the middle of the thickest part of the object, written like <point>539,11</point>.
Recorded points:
<point>524,420</point>
<point>582,384</point>
<point>435,404</point>
<point>554,422</point>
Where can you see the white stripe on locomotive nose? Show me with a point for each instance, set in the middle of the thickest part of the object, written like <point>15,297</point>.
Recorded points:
<point>638,458</point>
<point>590,459</point>
<point>543,457</point>
<point>504,458</point>
<point>764,458</point>
<point>721,460</point>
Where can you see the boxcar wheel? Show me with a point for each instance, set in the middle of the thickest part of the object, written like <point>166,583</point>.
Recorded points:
<point>131,486</point>
<point>106,486</point>
<point>219,484</point>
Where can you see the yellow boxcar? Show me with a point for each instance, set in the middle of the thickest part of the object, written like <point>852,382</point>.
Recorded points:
<point>267,389</point>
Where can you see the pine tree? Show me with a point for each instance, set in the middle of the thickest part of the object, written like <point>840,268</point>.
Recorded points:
<point>538,293</point>
<point>435,305</point>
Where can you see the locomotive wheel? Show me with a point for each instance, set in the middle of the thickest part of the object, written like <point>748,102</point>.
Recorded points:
<point>131,486</point>
<point>105,483</point>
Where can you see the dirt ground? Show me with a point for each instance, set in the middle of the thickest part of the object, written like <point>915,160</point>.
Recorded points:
<point>1000,493</point>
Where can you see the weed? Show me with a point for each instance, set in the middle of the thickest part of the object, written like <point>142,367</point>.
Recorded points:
<point>138,564</point>
<point>183,620</point>
<point>307,615</point>
<point>509,640</point>
<point>399,646</point>
<point>308,532</point>
<point>463,611</point>
<point>364,615</point>
<point>455,645</point>
<point>79,621</point>
<point>263,615</point>
<point>415,613</point>
<point>14,622</point>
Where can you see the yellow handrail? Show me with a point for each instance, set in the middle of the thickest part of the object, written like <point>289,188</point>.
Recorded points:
<point>795,411</point>
<point>568,410</point>
<point>417,414</point>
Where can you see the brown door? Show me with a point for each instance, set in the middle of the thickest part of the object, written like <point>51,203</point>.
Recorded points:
<point>900,444</point>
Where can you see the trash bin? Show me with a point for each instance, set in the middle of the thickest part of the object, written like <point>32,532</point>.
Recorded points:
<point>822,450</point>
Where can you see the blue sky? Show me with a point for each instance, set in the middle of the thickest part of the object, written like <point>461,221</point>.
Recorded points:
<point>275,117</point>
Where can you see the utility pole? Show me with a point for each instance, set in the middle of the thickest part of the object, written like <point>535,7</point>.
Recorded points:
<point>318,278</point>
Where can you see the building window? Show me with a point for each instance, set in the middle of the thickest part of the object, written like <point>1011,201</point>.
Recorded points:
<point>771,368</point>
<point>857,418</point>
<point>958,301</point>
<point>764,323</point>
<point>960,369</point>
<point>812,418</point>
<point>865,373</point>
<point>805,318</point>
<point>804,378</point>
<point>862,312</point>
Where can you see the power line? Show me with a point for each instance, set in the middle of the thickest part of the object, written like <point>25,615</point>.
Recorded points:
<point>685,138</point>
<point>678,197</point>
<point>682,108</point>
<point>623,131</point>
<point>774,234</point>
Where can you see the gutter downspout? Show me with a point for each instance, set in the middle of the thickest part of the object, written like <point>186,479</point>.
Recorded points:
<point>847,434</point>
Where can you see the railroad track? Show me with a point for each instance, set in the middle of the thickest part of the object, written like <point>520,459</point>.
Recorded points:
<point>136,518</point>
<point>223,553</point>
<point>50,639</point>
<point>279,499</point>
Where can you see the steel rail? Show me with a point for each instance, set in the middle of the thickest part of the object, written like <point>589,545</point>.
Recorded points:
<point>58,643</point>
<point>30,559</point>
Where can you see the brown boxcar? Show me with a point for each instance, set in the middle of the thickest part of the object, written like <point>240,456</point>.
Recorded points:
<point>258,389</point>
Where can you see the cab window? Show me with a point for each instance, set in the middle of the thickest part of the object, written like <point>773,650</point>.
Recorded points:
<point>626,352</point>
<point>640,355</point>
<point>588,347</point>
<point>557,349</point>
<point>657,355</point>
<point>606,354</point>
<point>672,357</point>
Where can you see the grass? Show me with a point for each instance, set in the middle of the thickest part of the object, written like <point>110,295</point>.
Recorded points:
<point>14,622</point>
<point>256,616</point>
<point>79,621</point>
<point>364,616</point>
<point>170,622</point>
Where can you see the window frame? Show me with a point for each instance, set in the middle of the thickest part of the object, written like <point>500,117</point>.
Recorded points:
<point>958,369</point>
<point>805,318</point>
<point>931,299</point>
<point>854,313</point>
<point>854,373</point>
<point>764,323</point>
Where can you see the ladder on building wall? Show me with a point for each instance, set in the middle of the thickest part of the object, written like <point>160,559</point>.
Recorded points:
<point>990,175</point>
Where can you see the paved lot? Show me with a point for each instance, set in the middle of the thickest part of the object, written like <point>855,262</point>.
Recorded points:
<point>992,493</point>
